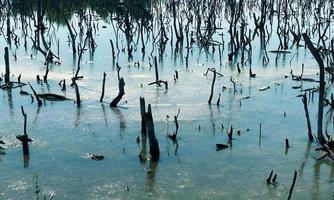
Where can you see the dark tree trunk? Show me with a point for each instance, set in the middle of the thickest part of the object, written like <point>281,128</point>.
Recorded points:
<point>103,86</point>
<point>320,62</point>
<point>154,145</point>
<point>7,70</point>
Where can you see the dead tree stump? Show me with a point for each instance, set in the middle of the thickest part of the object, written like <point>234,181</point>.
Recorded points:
<point>153,142</point>
<point>121,92</point>
<point>174,135</point>
<point>213,85</point>
<point>142,113</point>
<point>154,145</point>
<point>103,86</point>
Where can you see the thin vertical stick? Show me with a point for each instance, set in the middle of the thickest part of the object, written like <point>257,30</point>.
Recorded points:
<point>7,73</point>
<point>212,86</point>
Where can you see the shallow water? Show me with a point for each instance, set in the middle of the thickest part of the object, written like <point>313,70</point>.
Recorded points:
<point>63,134</point>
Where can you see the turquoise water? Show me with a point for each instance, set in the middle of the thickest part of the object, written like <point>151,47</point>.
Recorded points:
<point>64,134</point>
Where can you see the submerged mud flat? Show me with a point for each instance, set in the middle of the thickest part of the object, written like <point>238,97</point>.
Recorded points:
<point>189,37</point>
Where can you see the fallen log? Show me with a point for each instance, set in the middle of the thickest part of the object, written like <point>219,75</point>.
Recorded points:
<point>53,97</point>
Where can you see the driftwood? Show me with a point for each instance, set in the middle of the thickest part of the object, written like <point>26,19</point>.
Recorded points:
<point>53,97</point>
<point>96,157</point>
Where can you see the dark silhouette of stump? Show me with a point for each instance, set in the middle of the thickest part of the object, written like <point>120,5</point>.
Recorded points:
<point>213,85</point>
<point>142,113</point>
<point>121,92</point>
<point>153,142</point>
<point>154,145</point>
<point>103,86</point>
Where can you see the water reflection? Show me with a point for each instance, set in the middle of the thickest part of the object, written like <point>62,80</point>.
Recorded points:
<point>104,114</point>
<point>26,159</point>
<point>121,118</point>
<point>150,179</point>
<point>10,101</point>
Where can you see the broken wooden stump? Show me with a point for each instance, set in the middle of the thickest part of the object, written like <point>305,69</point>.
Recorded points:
<point>174,135</point>
<point>24,138</point>
<point>153,142</point>
<point>212,85</point>
<point>154,145</point>
<point>64,86</point>
<point>45,77</point>
<point>218,101</point>
<point>103,86</point>
<point>142,113</point>
<point>274,179</point>
<point>121,91</point>
<point>269,178</point>
<point>251,75</point>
